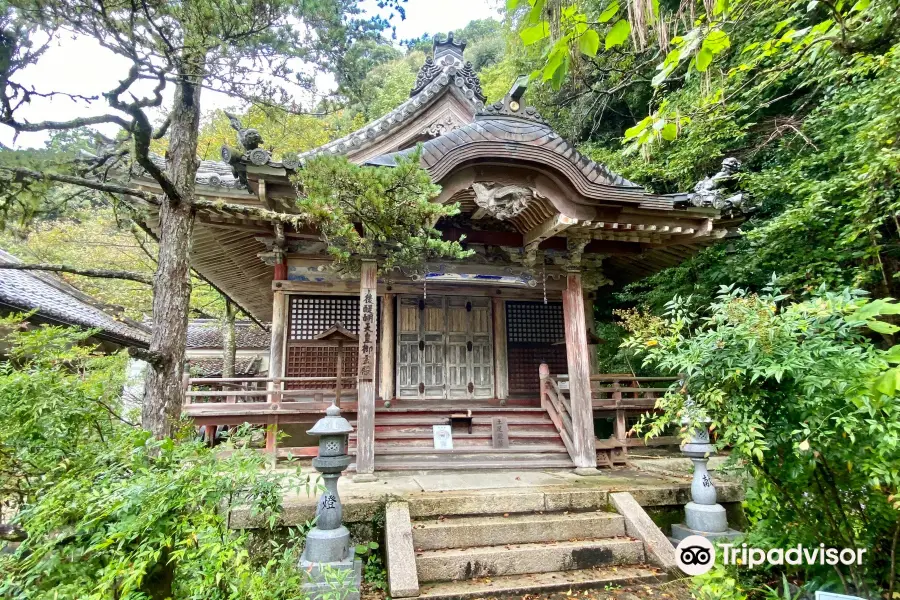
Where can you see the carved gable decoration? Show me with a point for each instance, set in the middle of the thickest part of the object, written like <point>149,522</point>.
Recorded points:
<point>442,125</point>
<point>502,201</point>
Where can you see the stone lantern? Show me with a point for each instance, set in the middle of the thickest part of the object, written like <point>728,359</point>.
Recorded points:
<point>327,546</point>
<point>703,515</point>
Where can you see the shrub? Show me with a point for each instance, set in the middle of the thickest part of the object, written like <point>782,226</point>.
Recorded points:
<point>806,401</point>
<point>108,511</point>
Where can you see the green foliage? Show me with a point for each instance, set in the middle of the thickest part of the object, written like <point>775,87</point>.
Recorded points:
<point>375,574</point>
<point>110,512</point>
<point>281,131</point>
<point>803,93</point>
<point>98,237</point>
<point>387,86</point>
<point>392,206</point>
<point>790,388</point>
<point>717,584</point>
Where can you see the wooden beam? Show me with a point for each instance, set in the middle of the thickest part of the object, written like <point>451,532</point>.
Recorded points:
<point>368,338</point>
<point>493,238</point>
<point>501,365</point>
<point>549,228</point>
<point>345,288</point>
<point>584,454</point>
<point>388,341</point>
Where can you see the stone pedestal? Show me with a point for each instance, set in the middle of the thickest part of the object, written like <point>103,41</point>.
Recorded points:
<point>325,577</point>
<point>703,516</point>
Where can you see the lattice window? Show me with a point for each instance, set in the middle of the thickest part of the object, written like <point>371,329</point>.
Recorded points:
<point>535,332</point>
<point>525,362</point>
<point>534,322</point>
<point>310,360</point>
<point>311,315</point>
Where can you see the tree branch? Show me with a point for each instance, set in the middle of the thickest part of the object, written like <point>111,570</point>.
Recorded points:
<point>101,273</point>
<point>83,182</point>
<point>159,361</point>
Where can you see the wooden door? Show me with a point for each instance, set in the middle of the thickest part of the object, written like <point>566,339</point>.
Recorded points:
<point>481,357</point>
<point>444,348</point>
<point>458,373</point>
<point>434,327</point>
<point>409,356</point>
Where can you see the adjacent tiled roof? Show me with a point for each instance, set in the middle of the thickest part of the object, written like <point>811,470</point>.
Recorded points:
<point>212,173</point>
<point>212,367</point>
<point>207,333</point>
<point>57,301</point>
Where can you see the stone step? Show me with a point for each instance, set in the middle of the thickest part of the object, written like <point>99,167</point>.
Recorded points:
<point>537,583</point>
<point>518,559</point>
<point>464,459</point>
<point>462,532</point>
<point>491,503</point>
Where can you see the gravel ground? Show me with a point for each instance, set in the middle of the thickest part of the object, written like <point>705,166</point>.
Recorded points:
<point>672,590</point>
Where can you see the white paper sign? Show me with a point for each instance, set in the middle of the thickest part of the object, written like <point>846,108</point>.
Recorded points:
<point>830,596</point>
<point>443,437</point>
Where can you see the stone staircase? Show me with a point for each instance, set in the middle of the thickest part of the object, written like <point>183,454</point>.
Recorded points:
<point>404,440</point>
<point>485,549</point>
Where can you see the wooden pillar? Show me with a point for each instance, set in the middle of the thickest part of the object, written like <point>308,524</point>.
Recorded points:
<point>279,327</point>
<point>388,343</point>
<point>591,325</point>
<point>276,362</point>
<point>501,366</point>
<point>577,357</point>
<point>368,339</point>
<point>339,381</point>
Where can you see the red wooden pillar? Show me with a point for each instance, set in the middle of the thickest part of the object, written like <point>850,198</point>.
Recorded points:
<point>368,340</point>
<point>578,359</point>
<point>281,270</point>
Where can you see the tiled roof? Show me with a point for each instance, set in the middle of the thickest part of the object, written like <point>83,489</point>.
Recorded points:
<point>58,301</point>
<point>445,71</point>
<point>522,138</point>
<point>211,173</point>
<point>212,367</point>
<point>207,333</point>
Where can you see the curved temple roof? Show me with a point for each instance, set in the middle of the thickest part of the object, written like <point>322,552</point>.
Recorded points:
<point>520,185</point>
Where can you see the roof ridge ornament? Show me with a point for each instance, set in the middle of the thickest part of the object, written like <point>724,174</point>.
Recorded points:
<point>447,57</point>
<point>511,105</point>
<point>448,47</point>
<point>248,137</point>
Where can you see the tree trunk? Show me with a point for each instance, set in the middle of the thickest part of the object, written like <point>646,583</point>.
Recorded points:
<point>229,345</point>
<point>164,395</point>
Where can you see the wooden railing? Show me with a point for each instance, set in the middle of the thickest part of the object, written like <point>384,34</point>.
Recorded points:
<point>558,406</point>
<point>624,394</point>
<point>627,391</point>
<point>214,402</point>
<point>616,393</point>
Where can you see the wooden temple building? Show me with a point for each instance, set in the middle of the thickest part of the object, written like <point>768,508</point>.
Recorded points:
<point>499,346</point>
